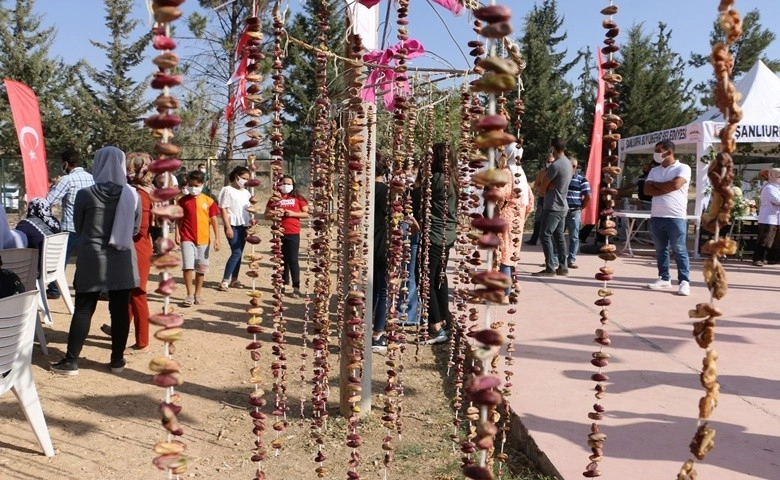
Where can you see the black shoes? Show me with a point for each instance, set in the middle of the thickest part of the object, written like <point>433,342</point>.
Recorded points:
<point>563,272</point>
<point>379,344</point>
<point>543,273</point>
<point>117,366</point>
<point>529,242</point>
<point>65,367</point>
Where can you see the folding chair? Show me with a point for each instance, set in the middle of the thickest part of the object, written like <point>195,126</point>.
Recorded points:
<point>53,270</point>
<point>18,317</point>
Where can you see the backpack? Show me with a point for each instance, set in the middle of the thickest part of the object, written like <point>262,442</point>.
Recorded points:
<point>10,284</point>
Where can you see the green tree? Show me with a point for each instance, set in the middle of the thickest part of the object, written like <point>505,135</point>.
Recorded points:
<point>747,50</point>
<point>301,85</point>
<point>549,98</point>
<point>115,98</point>
<point>25,57</point>
<point>585,106</point>
<point>654,94</point>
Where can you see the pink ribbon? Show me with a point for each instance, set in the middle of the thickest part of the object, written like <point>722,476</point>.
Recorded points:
<point>451,5</point>
<point>384,77</point>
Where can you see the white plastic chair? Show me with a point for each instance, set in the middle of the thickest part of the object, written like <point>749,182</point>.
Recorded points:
<point>53,270</point>
<point>24,263</point>
<point>17,329</point>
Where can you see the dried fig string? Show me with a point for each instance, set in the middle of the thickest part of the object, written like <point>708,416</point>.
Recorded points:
<point>167,371</point>
<point>721,175</point>
<point>608,228</point>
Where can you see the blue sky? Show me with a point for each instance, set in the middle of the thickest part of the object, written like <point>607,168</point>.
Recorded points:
<point>690,21</point>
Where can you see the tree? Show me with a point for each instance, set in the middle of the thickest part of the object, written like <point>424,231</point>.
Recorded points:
<point>301,85</point>
<point>585,106</point>
<point>654,94</point>
<point>115,99</point>
<point>24,57</point>
<point>549,98</point>
<point>746,50</point>
<point>218,31</point>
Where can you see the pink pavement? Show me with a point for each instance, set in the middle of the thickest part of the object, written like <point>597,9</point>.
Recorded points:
<point>653,391</point>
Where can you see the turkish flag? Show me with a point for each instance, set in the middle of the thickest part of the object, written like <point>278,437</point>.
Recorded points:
<point>590,213</point>
<point>27,119</point>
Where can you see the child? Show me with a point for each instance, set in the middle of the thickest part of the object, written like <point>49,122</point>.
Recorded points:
<point>192,231</point>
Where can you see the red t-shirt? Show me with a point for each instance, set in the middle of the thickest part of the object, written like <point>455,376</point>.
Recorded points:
<point>291,225</point>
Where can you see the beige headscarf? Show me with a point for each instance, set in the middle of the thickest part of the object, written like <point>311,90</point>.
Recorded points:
<point>138,173</point>
<point>774,175</point>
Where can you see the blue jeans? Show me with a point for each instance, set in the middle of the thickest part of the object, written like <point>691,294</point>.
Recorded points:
<point>553,240</point>
<point>236,250</point>
<point>573,221</point>
<point>672,232</point>
<point>506,270</point>
<point>411,297</point>
<point>380,299</point>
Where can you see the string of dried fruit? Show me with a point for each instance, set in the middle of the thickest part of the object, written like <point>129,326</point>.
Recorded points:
<point>499,77</point>
<point>322,194</point>
<point>607,228</point>
<point>425,234</point>
<point>355,301</point>
<point>278,350</point>
<point>167,371</point>
<point>721,175</point>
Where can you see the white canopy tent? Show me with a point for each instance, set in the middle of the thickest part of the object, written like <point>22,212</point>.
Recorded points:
<point>760,89</point>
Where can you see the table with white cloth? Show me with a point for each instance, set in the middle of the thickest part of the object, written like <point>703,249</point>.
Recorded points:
<point>635,220</point>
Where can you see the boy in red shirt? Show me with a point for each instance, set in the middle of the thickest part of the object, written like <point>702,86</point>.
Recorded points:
<point>192,232</point>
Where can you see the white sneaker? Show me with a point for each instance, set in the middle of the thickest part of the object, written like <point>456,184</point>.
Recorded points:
<point>685,289</point>
<point>660,283</point>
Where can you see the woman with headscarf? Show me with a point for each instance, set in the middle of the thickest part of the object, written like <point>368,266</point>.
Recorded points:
<point>39,223</point>
<point>107,260</point>
<point>768,220</point>
<point>139,176</point>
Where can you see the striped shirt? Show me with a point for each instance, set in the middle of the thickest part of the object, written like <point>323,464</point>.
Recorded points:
<point>65,192</point>
<point>578,187</point>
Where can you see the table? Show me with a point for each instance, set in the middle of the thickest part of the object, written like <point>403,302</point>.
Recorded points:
<point>636,218</point>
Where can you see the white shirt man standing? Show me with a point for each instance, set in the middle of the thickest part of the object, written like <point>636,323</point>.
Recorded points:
<point>668,185</point>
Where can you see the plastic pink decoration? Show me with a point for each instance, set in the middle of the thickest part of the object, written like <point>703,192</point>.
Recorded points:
<point>451,5</point>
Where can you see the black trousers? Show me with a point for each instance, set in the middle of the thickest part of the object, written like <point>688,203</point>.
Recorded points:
<point>291,245</point>
<point>438,299</point>
<point>84,308</point>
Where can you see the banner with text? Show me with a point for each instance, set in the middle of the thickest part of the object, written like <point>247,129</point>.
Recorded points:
<point>27,119</point>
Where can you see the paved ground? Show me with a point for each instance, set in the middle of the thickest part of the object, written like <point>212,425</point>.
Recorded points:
<point>654,385</point>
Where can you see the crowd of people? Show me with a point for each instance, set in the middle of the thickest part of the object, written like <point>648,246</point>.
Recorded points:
<point>114,258</point>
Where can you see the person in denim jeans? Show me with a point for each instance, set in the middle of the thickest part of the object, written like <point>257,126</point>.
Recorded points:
<point>555,185</point>
<point>233,202</point>
<point>577,198</point>
<point>668,184</point>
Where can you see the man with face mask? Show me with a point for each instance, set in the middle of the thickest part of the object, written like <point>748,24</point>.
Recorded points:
<point>74,179</point>
<point>668,185</point>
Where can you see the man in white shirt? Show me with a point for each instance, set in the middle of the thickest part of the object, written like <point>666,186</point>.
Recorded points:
<point>668,185</point>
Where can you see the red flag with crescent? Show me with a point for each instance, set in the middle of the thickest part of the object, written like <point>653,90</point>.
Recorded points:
<point>27,119</point>
<point>590,213</point>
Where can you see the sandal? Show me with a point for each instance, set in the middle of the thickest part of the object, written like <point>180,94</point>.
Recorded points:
<point>237,284</point>
<point>187,302</point>
<point>224,287</point>
<point>198,300</point>
<point>106,329</point>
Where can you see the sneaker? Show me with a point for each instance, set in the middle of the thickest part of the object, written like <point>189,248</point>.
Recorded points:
<point>758,263</point>
<point>379,344</point>
<point>52,296</point>
<point>224,287</point>
<point>187,302</point>
<point>198,300</point>
<point>65,367</point>
<point>573,265</point>
<point>685,289</point>
<point>543,273</point>
<point>442,336</point>
<point>117,366</point>
<point>660,283</point>
<point>529,242</point>
<point>563,272</point>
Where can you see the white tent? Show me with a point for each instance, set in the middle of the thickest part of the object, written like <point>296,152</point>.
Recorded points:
<point>760,89</point>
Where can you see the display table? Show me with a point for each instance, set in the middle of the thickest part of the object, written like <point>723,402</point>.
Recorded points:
<point>635,219</point>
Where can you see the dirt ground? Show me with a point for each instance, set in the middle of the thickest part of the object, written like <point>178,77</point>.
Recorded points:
<point>103,425</point>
